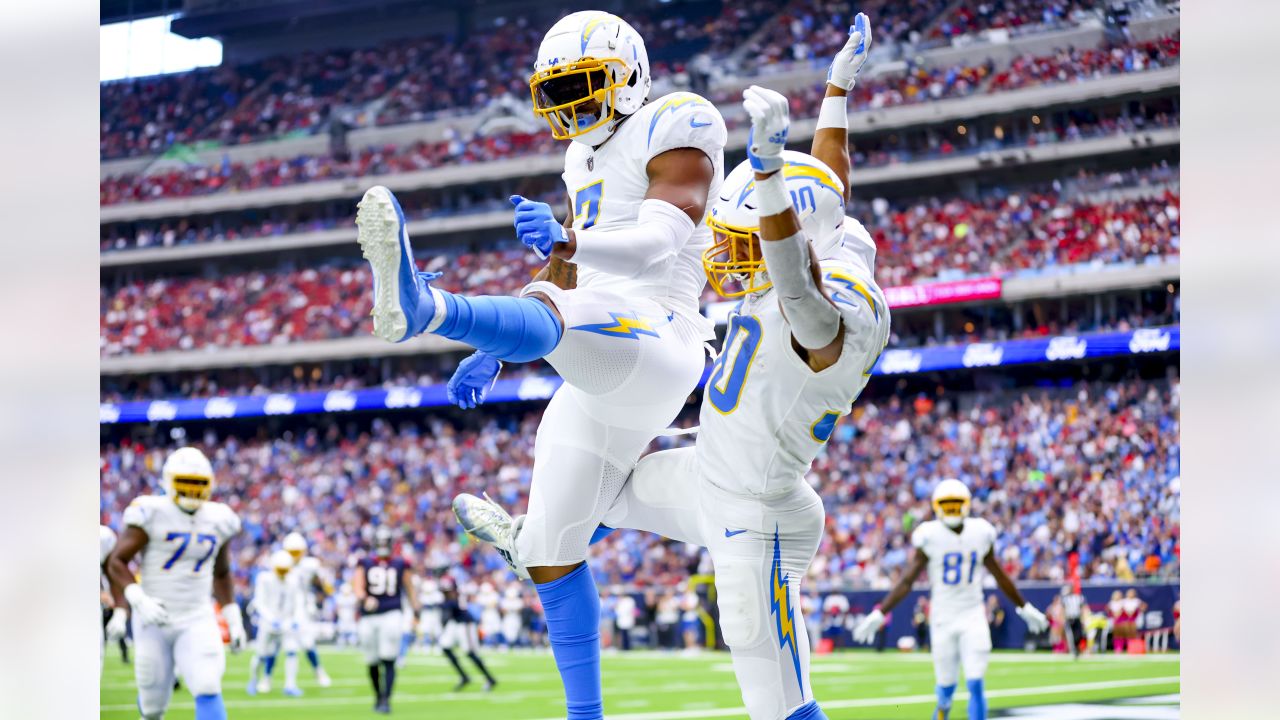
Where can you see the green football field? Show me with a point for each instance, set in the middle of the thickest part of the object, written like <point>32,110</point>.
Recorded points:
<point>660,686</point>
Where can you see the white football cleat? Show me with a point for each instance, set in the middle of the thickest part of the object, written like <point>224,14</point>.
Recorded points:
<point>398,288</point>
<point>264,685</point>
<point>486,520</point>
<point>322,678</point>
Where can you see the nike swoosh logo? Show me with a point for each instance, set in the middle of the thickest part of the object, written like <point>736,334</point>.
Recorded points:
<point>727,533</point>
<point>693,123</point>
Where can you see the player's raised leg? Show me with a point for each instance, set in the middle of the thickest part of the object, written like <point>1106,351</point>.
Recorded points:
<point>660,497</point>
<point>406,305</point>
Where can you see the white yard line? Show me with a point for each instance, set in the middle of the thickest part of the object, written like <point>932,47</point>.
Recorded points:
<point>679,714</point>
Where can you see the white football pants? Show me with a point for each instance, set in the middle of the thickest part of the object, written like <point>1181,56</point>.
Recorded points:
<point>761,549</point>
<point>629,365</point>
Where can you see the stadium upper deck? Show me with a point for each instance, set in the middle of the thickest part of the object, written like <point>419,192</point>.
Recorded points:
<point>452,65</point>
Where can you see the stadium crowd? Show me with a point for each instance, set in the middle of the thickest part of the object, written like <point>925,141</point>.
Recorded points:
<point>920,240</point>
<point>915,84</point>
<point>409,79</point>
<point>1091,470</point>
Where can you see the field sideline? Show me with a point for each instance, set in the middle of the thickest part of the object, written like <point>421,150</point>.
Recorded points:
<point>662,686</point>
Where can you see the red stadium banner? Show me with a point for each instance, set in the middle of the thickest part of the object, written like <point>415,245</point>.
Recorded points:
<point>939,293</point>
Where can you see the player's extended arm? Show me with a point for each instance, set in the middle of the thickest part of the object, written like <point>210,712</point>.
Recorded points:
<point>816,325</point>
<point>919,562</point>
<point>674,204</point>
<point>831,136</point>
<point>224,591</point>
<point>866,629</point>
<point>1035,620</point>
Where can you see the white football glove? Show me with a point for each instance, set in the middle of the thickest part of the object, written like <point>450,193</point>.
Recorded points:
<point>1035,620</point>
<point>847,63</point>
<point>868,626</point>
<point>118,625</point>
<point>235,627</point>
<point>770,122</point>
<point>148,608</point>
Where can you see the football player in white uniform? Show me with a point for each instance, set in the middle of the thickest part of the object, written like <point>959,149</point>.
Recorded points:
<point>182,537</point>
<point>278,605</point>
<point>431,619</point>
<point>615,311</point>
<point>311,579</point>
<point>953,546</point>
<point>798,351</point>
<point>106,543</point>
<point>345,605</point>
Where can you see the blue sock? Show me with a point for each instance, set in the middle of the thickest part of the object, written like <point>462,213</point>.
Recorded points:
<point>210,707</point>
<point>944,699</point>
<point>406,640</point>
<point>808,711</point>
<point>314,658</point>
<point>601,533</point>
<point>268,664</point>
<point>508,328</point>
<point>571,606</point>
<point>977,700</point>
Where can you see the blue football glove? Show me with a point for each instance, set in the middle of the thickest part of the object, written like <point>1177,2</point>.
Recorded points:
<point>850,59</point>
<point>472,380</point>
<point>537,227</point>
<point>770,121</point>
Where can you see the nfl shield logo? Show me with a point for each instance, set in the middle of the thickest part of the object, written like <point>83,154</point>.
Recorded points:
<point>591,163</point>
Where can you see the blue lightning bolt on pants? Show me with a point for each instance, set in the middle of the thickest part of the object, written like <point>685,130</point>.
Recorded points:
<point>760,551</point>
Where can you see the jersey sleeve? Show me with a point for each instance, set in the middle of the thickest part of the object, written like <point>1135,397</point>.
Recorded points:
<point>140,514</point>
<point>685,120</point>
<point>989,537</point>
<point>862,307</point>
<point>226,522</point>
<point>920,538</point>
<point>106,542</point>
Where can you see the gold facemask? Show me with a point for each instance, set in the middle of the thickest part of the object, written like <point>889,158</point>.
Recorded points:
<point>733,263</point>
<point>562,95</point>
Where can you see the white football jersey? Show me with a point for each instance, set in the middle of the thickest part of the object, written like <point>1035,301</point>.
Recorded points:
<point>346,606</point>
<point>606,186</point>
<point>276,598</point>
<point>106,542</point>
<point>765,414</point>
<point>429,594</point>
<point>304,575</point>
<point>955,566</point>
<point>177,561</point>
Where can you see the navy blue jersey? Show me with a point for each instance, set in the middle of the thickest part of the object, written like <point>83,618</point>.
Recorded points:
<point>455,612</point>
<point>384,581</point>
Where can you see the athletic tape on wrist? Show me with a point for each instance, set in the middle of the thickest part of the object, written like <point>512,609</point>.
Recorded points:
<point>771,195</point>
<point>834,113</point>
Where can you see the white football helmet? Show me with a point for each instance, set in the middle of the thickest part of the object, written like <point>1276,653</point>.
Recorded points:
<point>733,263</point>
<point>592,70</point>
<point>281,562</point>
<point>295,544</point>
<point>951,500</point>
<point>187,477</point>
